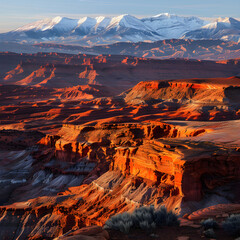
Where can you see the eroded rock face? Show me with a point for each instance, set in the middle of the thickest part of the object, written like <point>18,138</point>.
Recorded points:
<point>194,99</point>
<point>216,90</point>
<point>179,169</point>
<point>102,156</point>
<point>122,166</point>
<point>29,171</point>
<point>99,142</point>
<point>186,167</point>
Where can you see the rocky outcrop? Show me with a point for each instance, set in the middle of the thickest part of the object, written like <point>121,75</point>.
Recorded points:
<point>100,142</point>
<point>188,168</point>
<point>135,165</point>
<point>192,99</point>
<point>40,221</point>
<point>180,168</point>
<point>91,204</point>
<point>85,92</point>
<point>217,211</point>
<point>197,90</point>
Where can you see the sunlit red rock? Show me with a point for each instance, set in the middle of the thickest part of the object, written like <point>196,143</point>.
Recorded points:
<point>87,153</point>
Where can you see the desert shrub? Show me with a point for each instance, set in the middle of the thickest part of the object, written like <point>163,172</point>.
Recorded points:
<point>121,222</point>
<point>209,233</point>
<point>146,218</point>
<point>209,223</point>
<point>232,225</point>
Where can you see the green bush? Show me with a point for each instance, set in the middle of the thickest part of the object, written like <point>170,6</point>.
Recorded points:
<point>209,223</point>
<point>146,218</point>
<point>232,225</point>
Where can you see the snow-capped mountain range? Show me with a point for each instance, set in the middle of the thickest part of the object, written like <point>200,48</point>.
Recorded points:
<point>124,28</point>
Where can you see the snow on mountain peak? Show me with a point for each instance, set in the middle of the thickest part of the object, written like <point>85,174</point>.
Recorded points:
<point>119,20</point>
<point>100,19</point>
<point>129,21</point>
<point>102,22</point>
<point>97,30</point>
<point>220,23</point>
<point>164,15</point>
<point>60,23</point>
<point>39,25</point>
<point>223,19</point>
<point>175,24</point>
<point>65,24</point>
<point>85,20</point>
<point>57,19</point>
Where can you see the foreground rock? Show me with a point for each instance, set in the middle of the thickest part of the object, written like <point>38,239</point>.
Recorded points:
<point>135,165</point>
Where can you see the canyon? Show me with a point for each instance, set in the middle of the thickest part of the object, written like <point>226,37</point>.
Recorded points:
<point>85,137</point>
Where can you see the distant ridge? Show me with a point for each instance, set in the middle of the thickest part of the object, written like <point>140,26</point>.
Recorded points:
<point>89,31</point>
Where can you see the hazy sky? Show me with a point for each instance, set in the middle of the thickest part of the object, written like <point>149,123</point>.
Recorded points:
<point>15,13</point>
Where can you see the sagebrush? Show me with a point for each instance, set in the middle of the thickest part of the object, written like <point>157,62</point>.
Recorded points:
<point>232,225</point>
<point>146,218</point>
<point>209,223</point>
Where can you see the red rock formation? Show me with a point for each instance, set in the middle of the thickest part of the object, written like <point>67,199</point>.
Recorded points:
<point>216,211</point>
<point>61,70</point>
<point>119,150</point>
<point>188,167</point>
